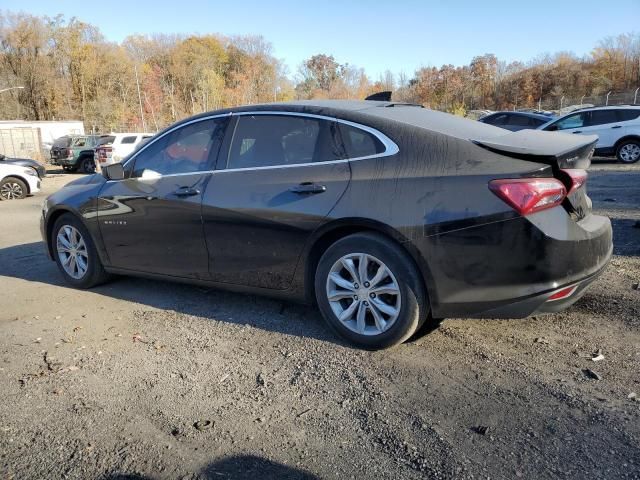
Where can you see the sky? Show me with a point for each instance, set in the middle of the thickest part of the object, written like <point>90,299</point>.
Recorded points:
<point>399,36</point>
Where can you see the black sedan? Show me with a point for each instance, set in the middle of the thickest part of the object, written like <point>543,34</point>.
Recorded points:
<point>25,162</point>
<point>515,121</point>
<point>382,213</point>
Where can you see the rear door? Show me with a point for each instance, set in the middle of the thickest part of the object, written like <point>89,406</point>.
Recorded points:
<point>151,221</point>
<point>605,124</point>
<point>281,176</point>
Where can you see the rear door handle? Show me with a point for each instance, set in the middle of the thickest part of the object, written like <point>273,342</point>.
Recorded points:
<point>308,188</point>
<point>186,192</point>
<point>579,131</point>
<point>617,126</point>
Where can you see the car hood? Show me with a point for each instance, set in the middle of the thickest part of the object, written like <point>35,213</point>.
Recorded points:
<point>96,178</point>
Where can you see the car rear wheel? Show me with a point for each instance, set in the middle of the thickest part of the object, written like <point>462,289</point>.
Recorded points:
<point>76,254</point>
<point>370,292</point>
<point>87,165</point>
<point>12,188</point>
<point>629,151</point>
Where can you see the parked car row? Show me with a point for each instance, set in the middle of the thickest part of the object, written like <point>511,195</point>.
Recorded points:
<point>80,152</point>
<point>617,127</point>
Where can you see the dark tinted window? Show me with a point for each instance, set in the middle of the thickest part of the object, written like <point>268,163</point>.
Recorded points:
<point>628,114</point>
<point>536,122</point>
<point>359,143</point>
<point>129,139</point>
<point>519,120</point>
<point>269,140</point>
<point>600,117</point>
<point>62,142</point>
<point>496,119</point>
<point>191,148</point>
<point>106,139</point>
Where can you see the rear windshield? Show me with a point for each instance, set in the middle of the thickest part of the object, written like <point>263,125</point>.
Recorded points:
<point>107,139</point>
<point>62,142</point>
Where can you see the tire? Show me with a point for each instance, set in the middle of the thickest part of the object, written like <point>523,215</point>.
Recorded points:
<point>94,273</point>
<point>410,303</point>
<point>12,188</point>
<point>87,165</point>
<point>628,151</point>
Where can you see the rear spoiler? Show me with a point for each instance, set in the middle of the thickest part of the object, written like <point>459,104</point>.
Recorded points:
<point>563,150</point>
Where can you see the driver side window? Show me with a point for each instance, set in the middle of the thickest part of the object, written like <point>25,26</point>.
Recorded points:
<point>572,121</point>
<point>191,148</point>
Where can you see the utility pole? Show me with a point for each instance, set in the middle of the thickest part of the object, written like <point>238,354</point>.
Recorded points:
<point>144,124</point>
<point>635,96</point>
<point>607,101</point>
<point>581,99</point>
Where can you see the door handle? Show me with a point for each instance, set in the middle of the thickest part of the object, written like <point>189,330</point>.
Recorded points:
<point>308,188</point>
<point>617,126</point>
<point>579,131</point>
<point>186,192</point>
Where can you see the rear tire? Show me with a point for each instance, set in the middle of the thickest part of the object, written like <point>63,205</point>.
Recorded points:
<point>76,254</point>
<point>87,165</point>
<point>370,292</point>
<point>628,151</point>
<point>12,188</point>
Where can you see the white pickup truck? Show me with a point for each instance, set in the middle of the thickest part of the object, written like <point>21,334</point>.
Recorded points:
<point>123,144</point>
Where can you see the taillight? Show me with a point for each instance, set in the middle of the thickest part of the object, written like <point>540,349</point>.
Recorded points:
<point>578,178</point>
<point>529,195</point>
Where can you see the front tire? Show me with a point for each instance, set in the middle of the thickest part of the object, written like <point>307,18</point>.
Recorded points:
<point>628,151</point>
<point>75,253</point>
<point>12,188</point>
<point>370,292</point>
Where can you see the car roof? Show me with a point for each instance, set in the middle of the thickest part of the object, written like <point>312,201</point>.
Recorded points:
<point>380,112</point>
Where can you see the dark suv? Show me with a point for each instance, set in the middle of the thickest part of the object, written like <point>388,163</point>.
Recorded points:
<point>382,213</point>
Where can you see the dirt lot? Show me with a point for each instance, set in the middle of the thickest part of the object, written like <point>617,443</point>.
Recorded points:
<point>111,383</point>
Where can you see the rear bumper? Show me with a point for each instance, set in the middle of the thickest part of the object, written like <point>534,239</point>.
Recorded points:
<point>509,269</point>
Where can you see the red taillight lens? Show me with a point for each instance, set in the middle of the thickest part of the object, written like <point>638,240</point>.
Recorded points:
<point>564,293</point>
<point>529,195</point>
<point>578,178</point>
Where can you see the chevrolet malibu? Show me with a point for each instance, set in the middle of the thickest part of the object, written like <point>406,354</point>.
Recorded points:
<point>384,214</point>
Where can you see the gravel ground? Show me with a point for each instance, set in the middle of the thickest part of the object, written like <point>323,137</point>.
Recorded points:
<point>143,379</point>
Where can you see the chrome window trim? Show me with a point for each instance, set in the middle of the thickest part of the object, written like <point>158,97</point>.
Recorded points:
<point>151,142</point>
<point>390,146</point>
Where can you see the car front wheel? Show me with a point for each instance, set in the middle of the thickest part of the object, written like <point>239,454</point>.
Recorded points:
<point>12,188</point>
<point>629,151</point>
<point>76,254</point>
<point>370,292</point>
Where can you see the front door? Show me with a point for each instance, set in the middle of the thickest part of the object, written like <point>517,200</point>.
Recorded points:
<point>280,179</point>
<point>151,221</point>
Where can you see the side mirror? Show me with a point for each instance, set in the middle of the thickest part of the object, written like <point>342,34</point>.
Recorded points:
<point>552,128</point>
<point>113,172</point>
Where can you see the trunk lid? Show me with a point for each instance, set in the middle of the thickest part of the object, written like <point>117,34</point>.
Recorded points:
<point>562,151</point>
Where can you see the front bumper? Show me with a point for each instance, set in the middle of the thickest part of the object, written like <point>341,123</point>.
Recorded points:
<point>509,269</point>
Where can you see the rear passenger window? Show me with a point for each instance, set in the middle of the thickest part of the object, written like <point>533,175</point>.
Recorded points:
<point>600,117</point>
<point>129,140</point>
<point>272,140</point>
<point>359,143</point>
<point>496,119</point>
<point>628,114</point>
<point>519,120</point>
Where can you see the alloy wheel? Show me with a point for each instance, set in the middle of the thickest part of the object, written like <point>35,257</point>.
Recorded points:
<point>363,294</point>
<point>72,252</point>
<point>630,152</point>
<point>11,190</point>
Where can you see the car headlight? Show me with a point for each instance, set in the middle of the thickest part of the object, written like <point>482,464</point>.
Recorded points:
<point>31,171</point>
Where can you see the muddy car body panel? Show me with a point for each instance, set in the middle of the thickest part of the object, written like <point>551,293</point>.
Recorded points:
<point>426,187</point>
